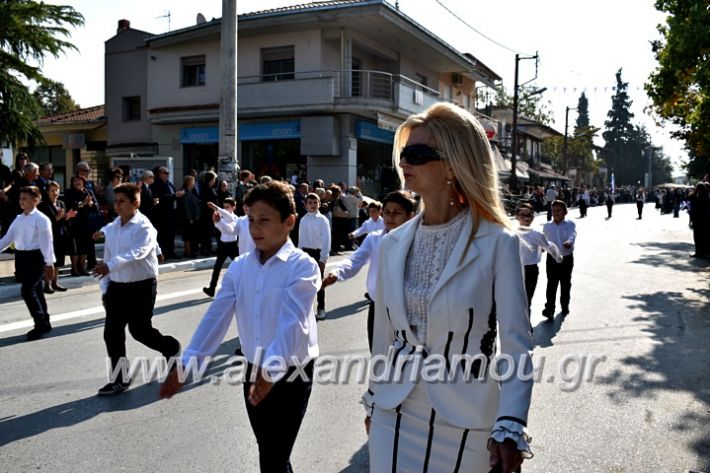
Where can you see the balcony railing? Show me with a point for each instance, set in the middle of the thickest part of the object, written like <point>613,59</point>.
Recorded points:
<point>328,86</point>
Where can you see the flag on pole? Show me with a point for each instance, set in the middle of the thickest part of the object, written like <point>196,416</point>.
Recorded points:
<point>613,183</point>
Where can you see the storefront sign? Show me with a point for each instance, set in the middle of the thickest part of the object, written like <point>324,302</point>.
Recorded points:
<point>388,122</point>
<point>370,132</point>
<point>270,131</point>
<point>199,135</point>
<point>74,141</point>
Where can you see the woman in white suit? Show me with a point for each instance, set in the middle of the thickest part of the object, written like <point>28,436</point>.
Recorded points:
<point>450,297</point>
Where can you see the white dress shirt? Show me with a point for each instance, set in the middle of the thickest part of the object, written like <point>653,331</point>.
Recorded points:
<point>273,305</point>
<point>130,251</point>
<point>314,233</point>
<point>226,226</point>
<point>533,244</point>
<point>239,229</point>
<point>565,232</point>
<point>31,231</point>
<point>368,251</point>
<point>369,226</point>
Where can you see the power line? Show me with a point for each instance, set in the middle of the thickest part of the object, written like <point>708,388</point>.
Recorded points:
<point>479,32</point>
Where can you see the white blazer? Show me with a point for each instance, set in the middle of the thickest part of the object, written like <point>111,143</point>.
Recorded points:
<point>476,302</point>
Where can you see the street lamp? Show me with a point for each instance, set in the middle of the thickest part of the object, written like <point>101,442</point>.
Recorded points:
<point>564,145</point>
<point>514,137</point>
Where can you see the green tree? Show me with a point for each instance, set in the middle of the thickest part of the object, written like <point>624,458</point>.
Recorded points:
<point>530,106</point>
<point>680,85</point>
<point>53,98</point>
<point>621,136</point>
<point>29,31</point>
<point>580,146</point>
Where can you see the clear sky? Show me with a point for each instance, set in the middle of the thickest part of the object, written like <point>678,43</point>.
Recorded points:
<point>581,45</point>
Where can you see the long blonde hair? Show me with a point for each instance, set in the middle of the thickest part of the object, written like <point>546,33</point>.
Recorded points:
<point>462,143</point>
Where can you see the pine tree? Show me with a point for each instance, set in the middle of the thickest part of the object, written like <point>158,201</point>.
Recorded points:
<point>29,31</point>
<point>621,136</point>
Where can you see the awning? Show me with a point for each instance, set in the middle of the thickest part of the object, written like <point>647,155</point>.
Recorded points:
<point>547,175</point>
<point>503,166</point>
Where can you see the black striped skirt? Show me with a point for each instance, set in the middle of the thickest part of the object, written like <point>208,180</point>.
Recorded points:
<point>412,438</point>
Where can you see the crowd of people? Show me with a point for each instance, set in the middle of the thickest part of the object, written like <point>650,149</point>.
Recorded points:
<point>428,294</point>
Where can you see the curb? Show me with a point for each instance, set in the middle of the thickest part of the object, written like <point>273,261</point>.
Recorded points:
<point>12,291</point>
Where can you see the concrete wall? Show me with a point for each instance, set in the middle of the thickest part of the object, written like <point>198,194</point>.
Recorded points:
<point>165,75</point>
<point>125,76</point>
<point>306,45</point>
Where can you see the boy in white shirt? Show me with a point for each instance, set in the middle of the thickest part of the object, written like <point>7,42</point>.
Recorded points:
<point>399,207</point>
<point>372,224</point>
<point>271,291</point>
<point>533,244</point>
<point>31,232</point>
<point>563,234</point>
<point>129,285</point>
<point>314,239</point>
<point>227,246</point>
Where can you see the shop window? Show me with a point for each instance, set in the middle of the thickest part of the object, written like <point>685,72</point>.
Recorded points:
<point>277,64</point>
<point>131,108</point>
<point>193,71</point>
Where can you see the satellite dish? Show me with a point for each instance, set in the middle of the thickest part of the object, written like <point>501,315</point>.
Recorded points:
<point>201,19</point>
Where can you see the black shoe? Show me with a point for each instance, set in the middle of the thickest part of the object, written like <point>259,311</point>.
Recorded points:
<point>549,314</point>
<point>48,290</point>
<point>209,291</point>
<point>565,311</point>
<point>113,388</point>
<point>84,273</point>
<point>59,288</point>
<point>39,330</point>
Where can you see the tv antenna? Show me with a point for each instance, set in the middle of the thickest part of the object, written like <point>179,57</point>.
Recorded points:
<point>167,15</point>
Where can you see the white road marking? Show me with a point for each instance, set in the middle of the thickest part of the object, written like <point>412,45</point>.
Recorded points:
<point>22,324</point>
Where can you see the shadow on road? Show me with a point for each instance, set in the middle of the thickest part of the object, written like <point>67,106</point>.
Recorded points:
<point>74,412</point>
<point>678,363</point>
<point>359,462</point>
<point>347,310</point>
<point>671,255</point>
<point>547,330</point>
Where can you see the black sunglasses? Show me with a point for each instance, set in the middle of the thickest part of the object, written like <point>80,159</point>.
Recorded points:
<point>419,154</point>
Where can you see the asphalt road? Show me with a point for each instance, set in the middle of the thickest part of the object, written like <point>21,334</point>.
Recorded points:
<point>640,308</point>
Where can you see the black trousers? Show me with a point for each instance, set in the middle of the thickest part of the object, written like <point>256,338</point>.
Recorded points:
<point>531,274</point>
<point>370,323</point>
<point>582,208</point>
<point>132,304</point>
<point>608,209</point>
<point>277,419</point>
<point>639,207</point>
<point>315,254</point>
<point>224,250</point>
<point>559,274</point>
<point>29,267</point>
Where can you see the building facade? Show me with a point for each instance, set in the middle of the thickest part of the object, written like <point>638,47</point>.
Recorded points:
<point>320,90</point>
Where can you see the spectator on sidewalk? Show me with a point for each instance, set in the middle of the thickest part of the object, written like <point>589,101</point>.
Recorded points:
<point>190,212</point>
<point>115,178</point>
<point>148,202</point>
<point>164,213</point>
<point>31,232</point>
<point>83,169</point>
<point>208,194</point>
<point>60,218</point>
<point>78,199</point>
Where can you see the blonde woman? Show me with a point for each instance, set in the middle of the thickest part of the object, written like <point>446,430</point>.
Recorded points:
<point>450,287</point>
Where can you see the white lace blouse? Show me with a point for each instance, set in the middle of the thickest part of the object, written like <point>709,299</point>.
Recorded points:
<point>427,257</point>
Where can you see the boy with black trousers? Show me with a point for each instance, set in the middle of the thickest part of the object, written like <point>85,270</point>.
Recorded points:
<point>563,234</point>
<point>31,232</point>
<point>314,239</point>
<point>227,246</point>
<point>270,291</point>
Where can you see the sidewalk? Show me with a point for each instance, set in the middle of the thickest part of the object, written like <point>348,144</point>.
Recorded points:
<point>10,288</point>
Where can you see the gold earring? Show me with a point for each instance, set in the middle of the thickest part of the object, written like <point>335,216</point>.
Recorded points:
<point>448,183</point>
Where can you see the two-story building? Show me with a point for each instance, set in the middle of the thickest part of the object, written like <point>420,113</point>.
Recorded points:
<point>320,90</point>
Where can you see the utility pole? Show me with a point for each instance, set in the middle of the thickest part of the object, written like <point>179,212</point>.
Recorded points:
<point>514,133</point>
<point>227,156</point>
